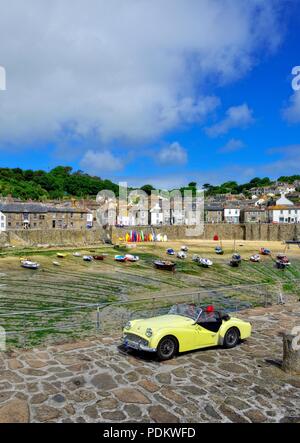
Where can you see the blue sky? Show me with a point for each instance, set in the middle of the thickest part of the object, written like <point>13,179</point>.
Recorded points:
<point>138,104</point>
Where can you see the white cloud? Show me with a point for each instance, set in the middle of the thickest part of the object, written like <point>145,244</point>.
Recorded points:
<point>292,112</point>
<point>236,117</point>
<point>232,146</point>
<point>99,162</point>
<point>122,70</point>
<point>172,155</point>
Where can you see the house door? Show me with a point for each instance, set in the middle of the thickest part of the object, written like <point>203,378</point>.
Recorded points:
<point>53,223</point>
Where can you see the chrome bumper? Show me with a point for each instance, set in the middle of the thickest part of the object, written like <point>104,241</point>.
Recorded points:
<point>138,346</point>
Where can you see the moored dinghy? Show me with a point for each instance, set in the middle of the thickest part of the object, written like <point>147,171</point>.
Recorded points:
<point>205,262</point>
<point>182,255</point>
<point>255,258</point>
<point>165,265</point>
<point>98,257</point>
<point>219,250</point>
<point>87,258</point>
<point>265,251</point>
<point>28,264</point>
<point>170,251</point>
<point>120,258</point>
<point>61,255</point>
<point>282,261</point>
<point>132,258</point>
<point>184,248</point>
<point>77,254</point>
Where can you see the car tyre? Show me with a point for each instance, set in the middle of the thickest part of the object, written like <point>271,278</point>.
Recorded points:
<point>232,338</point>
<point>167,348</point>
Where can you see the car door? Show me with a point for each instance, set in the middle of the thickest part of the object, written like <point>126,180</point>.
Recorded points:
<point>207,329</point>
<point>204,337</point>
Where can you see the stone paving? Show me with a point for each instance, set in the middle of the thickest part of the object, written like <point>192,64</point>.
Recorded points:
<point>94,381</point>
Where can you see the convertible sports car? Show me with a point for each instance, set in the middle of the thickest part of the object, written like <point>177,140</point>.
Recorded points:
<point>186,327</point>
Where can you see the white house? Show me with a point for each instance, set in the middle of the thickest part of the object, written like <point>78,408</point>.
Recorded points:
<point>232,215</point>
<point>2,222</point>
<point>283,214</point>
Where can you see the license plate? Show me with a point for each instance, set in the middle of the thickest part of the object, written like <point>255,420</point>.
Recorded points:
<point>131,344</point>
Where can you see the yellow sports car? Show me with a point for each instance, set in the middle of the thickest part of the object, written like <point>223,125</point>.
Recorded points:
<point>186,327</point>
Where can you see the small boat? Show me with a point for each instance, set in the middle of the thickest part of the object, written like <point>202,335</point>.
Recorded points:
<point>132,258</point>
<point>120,258</point>
<point>98,257</point>
<point>77,254</point>
<point>282,261</point>
<point>165,265</point>
<point>184,248</point>
<point>255,258</point>
<point>265,251</point>
<point>219,250</point>
<point>61,255</point>
<point>170,251</point>
<point>237,257</point>
<point>182,255</point>
<point>205,262</point>
<point>56,263</point>
<point>196,258</point>
<point>29,264</point>
<point>87,258</point>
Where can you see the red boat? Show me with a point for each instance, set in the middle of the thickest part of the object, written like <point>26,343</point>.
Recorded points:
<point>98,257</point>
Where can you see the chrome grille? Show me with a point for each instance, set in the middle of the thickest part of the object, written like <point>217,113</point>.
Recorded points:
<point>136,339</point>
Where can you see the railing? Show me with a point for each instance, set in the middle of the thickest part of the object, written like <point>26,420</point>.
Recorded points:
<point>31,327</point>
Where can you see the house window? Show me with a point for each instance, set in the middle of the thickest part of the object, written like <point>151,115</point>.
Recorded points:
<point>34,215</point>
<point>81,215</point>
<point>9,223</point>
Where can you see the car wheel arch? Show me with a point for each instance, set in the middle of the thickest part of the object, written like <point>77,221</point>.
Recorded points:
<point>222,335</point>
<point>170,336</point>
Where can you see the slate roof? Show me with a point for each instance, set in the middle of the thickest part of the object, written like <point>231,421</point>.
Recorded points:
<point>39,208</point>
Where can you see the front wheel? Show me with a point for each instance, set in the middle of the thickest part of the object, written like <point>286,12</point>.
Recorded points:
<point>231,338</point>
<point>166,348</point>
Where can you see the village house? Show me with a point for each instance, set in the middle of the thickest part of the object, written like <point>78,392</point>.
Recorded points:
<point>16,216</point>
<point>254,215</point>
<point>232,215</point>
<point>284,214</point>
<point>213,214</point>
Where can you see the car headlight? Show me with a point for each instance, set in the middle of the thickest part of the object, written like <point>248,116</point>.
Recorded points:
<point>149,332</point>
<point>128,325</point>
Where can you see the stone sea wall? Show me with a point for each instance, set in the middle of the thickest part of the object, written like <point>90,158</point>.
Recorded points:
<point>250,231</point>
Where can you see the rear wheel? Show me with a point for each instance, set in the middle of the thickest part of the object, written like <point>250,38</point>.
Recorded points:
<point>166,348</point>
<point>231,338</point>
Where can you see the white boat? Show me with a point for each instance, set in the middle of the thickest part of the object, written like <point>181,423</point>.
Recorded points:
<point>132,258</point>
<point>205,262</point>
<point>87,258</point>
<point>29,264</point>
<point>184,248</point>
<point>181,255</point>
<point>255,258</point>
<point>77,254</point>
<point>56,263</point>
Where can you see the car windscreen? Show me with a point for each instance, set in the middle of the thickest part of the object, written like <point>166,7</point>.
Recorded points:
<point>186,310</point>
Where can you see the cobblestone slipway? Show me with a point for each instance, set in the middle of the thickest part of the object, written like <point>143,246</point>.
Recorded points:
<point>92,381</point>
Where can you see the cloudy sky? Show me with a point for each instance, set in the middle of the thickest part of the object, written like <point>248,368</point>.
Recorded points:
<point>161,92</point>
